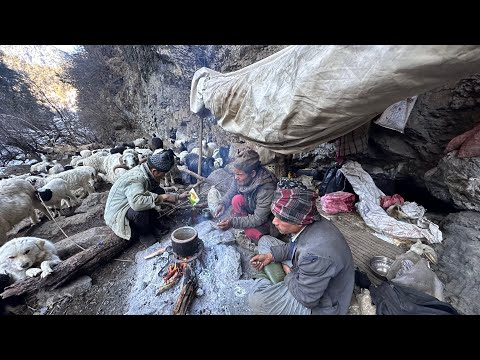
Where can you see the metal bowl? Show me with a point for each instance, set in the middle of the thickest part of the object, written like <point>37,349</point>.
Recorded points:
<point>380,266</point>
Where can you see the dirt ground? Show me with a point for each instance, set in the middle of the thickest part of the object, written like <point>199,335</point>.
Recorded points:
<point>111,282</point>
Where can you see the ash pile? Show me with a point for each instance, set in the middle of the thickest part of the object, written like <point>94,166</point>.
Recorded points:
<point>206,283</point>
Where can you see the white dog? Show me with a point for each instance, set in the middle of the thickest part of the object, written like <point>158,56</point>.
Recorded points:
<point>27,256</point>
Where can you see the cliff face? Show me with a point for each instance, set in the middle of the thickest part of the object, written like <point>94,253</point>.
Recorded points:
<point>156,94</point>
<point>156,86</point>
<point>436,118</point>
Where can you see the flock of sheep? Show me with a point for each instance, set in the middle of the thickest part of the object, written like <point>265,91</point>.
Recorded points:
<point>51,185</point>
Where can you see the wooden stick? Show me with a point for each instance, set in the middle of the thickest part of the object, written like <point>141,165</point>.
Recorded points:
<point>155,253</point>
<point>198,206</point>
<point>186,171</point>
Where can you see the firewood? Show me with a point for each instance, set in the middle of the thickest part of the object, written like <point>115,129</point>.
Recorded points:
<point>186,294</point>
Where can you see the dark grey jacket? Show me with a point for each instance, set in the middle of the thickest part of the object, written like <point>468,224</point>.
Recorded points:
<point>259,196</point>
<point>323,274</point>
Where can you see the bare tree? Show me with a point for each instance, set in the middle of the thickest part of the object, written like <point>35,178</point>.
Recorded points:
<point>98,74</point>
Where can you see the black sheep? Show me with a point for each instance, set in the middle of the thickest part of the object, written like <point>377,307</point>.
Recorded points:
<point>157,143</point>
<point>191,160</point>
<point>223,151</point>
<point>117,150</point>
<point>129,145</point>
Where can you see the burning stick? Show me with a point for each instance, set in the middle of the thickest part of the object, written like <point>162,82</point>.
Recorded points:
<point>173,281</point>
<point>170,279</point>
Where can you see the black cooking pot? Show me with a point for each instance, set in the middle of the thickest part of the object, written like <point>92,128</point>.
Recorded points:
<point>185,241</point>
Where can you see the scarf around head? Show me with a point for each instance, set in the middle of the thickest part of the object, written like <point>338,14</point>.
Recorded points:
<point>246,159</point>
<point>294,203</point>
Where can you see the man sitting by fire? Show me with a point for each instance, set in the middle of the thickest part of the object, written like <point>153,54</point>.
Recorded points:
<point>130,208</point>
<point>317,261</point>
<point>250,195</point>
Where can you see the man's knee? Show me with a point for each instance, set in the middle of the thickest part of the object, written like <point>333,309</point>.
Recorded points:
<point>267,240</point>
<point>253,234</point>
<point>139,218</point>
<point>238,200</point>
<point>255,300</point>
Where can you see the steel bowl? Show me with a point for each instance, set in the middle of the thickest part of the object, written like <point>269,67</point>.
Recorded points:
<point>380,266</point>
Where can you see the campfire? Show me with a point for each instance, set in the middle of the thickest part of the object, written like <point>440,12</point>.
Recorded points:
<point>186,248</point>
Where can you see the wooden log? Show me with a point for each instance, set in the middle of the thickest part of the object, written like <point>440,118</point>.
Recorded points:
<point>71,245</point>
<point>186,294</point>
<point>79,264</point>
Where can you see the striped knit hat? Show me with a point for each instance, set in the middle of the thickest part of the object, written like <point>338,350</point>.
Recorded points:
<point>294,203</point>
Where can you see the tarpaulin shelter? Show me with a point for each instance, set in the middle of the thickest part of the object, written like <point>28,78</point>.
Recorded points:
<point>306,95</point>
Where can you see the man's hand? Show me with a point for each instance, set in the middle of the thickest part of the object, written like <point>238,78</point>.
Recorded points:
<point>225,224</point>
<point>171,198</point>
<point>286,268</point>
<point>261,260</point>
<point>219,211</point>
<point>158,200</point>
<point>184,195</point>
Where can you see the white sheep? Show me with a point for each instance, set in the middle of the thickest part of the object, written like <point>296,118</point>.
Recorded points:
<point>56,168</point>
<point>54,192</point>
<point>115,165</point>
<point>17,201</point>
<point>81,177</point>
<point>144,153</point>
<point>37,181</point>
<point>95,161</point>
<point>40,167</point>
<point>75,160</point>
<point>140,142</point>
<point>85,153</point>
<point>182,155</point>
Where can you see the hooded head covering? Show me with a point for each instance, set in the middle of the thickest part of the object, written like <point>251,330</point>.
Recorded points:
<point>162,162</point>
<point>247,159</point>
<point>294,203</point>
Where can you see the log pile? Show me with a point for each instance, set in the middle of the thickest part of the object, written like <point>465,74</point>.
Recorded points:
<point>187,293</point>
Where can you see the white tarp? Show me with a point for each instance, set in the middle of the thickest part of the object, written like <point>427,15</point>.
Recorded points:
<point>306,95</point>
<point>377,219</point>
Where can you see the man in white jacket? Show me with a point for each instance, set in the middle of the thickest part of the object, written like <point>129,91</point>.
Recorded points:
<point>130,208</point>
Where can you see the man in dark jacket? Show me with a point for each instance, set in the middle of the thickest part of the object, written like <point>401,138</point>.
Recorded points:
<point>250,195</point>
<point>317,261</point>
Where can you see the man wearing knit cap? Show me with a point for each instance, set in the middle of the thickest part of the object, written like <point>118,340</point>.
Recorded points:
<point>130,208</point>
<point>317,261</point>
<point>250,195</point>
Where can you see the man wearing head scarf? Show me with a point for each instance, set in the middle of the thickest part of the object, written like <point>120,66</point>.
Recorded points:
<point>130,208</point>
<point>317,260</point>
<point>250,195</point>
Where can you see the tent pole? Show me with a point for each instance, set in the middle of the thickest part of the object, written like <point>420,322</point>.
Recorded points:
<point>200,150</point>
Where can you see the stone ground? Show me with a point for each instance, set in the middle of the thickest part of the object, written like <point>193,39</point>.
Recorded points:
<point>105,291</point>
<point>112,283</point>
